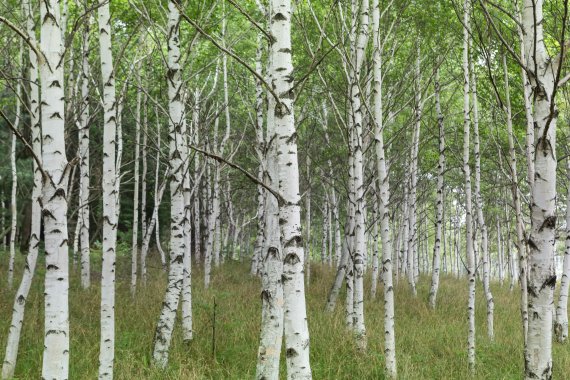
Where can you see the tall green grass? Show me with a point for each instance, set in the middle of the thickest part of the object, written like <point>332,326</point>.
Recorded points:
<point>430,344</point>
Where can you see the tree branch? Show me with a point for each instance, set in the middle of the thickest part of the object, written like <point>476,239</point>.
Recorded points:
<point>250,176</point>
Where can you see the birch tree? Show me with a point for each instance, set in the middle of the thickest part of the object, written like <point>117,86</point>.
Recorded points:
<point>14,172</point>
<point>561,322</point>
<point>471,263</point>
<point>177,154</point>
<point>545,72</point>
<point>281,69</point>
<point>84,174</point>
<point>54,196</point>
<point>110,194</point>
<point>440,197</point>
<point>383,200</point>
<point>15,329</point>
<point>480,219</point>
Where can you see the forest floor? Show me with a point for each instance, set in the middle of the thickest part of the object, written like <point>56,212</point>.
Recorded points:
<point>430,344</point>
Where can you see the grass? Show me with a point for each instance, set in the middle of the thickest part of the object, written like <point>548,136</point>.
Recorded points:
<point>430,344</point>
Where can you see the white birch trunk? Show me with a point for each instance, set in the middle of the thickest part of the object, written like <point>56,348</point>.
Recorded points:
<point>14,172</point>
<point>187,321</point>
<point>308,223</point>
<point>135,237</point>
<point>54,196</point>
<point>144,164</point>
<point>501,254</point>
<point>471,264</point>
<point>84,173</point>
<point>541,240</point>
<point>383,201</point>
<point>197,182</point>
<point>561,323</point>
<point>157,196</point>
<point>281,70</point>
<point>479,208</point>
<point>413,212</point>
<point>259,149</point>
<point>110,197</point>
<point>375,250</point>
<point>440,198</point>
<point>14,331</point>
<point>324,234</point>
<point>177,155</point>
<point>272,312</point>
<point>356,121</point>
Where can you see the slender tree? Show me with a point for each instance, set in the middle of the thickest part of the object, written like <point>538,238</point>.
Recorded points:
<point>54,195</point>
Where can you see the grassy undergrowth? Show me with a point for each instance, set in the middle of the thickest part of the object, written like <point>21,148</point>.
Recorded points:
<point>430,344</point>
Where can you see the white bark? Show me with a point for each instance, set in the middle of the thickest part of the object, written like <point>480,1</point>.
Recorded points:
<point>479,208</point>
<point>360,12</point>
<point>272,312</point>
<point>501,254</point>
<point>375,250</point>
<point>111,156</point>
<point>187,321</point>
<point>259,149</point>
<point>383,202</point>
<point>12,343</point>
<point>561,323</point>
<point>471,264</point>
<point>177,154</point>
<point>281,70</point>
<point>54,196</point>
<point>324,234</point>
<point>440,198</point>
<point>84,173</point>
<point>197,168</point>
<point>157,196</point>
<point>405,225</point>
<point>13,170</point>
<point>308,222</point>
<point>144,164</point>
<point>135,237</point>
<point>541,240</point>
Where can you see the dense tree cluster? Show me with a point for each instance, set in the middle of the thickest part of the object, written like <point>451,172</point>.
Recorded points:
<point>390,137</point>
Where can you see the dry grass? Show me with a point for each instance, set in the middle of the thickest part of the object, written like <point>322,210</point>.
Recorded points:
<point>430,344</point>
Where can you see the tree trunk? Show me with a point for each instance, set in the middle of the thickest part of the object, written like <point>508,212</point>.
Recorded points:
<point>440,199</point>
<point>135,237</point>
<point>542,277</point>
<point>259,149</point>
<point>271,335</point>
<point>177,156</point>
<point>471,263</point>
<point>110,197</point>
<point>84,173</point>
<point>479,208</point>
<point>383,199</point>
<point>13,170</point>
<point>561,323</point>
<point>281,70</point>
<point>54,196</point>
<point>13,341</point>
